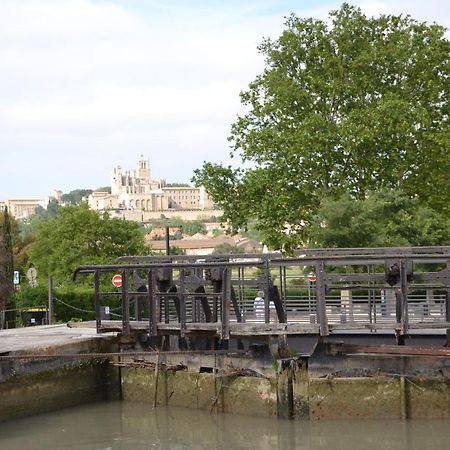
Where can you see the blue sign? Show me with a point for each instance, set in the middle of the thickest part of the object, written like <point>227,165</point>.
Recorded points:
<point>16,279</point>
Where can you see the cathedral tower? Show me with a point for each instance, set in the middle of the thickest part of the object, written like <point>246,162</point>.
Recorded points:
<point>143,170</point>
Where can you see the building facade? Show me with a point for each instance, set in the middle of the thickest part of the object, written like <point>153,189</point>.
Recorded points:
<point>136,190</point>
<point>22,208</point>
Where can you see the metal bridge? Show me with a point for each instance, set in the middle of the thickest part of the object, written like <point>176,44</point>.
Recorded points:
<point>318,292</point>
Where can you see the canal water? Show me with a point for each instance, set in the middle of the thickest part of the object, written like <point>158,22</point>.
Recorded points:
<point>123,425</point>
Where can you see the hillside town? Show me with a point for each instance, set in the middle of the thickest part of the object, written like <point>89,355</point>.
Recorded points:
<point>130,191</point>
<point>134,195</point>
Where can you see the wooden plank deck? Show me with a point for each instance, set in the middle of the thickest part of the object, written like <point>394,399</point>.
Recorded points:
<point>258,329</point>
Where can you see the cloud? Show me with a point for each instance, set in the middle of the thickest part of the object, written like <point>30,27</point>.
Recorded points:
<point>430,11</point>
<point>87,84</point>
<point>83,76</point>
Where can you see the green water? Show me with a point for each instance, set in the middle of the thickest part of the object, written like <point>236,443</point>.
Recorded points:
<point>123,425</point>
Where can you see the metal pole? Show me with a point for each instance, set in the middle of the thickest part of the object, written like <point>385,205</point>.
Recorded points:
<point>125,305</point>
<point>182,303</point>
<point>266,286</point>
<point>50,299</point>
<point>167,241</point>
<point>321,299</point>
<point>404,291</point>
<point>98,318</point>
<point>152,305</point>
<point>225,312</point>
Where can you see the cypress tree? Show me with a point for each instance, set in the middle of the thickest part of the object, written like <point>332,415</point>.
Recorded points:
<point>6,272</point>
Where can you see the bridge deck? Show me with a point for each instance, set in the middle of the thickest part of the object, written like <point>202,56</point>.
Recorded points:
<point>393,291</point>
<point>262,329</point>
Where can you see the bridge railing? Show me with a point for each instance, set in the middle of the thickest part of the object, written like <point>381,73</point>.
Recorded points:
<point>396,290</point>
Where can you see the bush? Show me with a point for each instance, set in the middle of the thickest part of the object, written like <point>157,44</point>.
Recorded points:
<point>70,303</point>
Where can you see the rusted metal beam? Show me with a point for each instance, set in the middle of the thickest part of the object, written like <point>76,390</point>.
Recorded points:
<point>153,305</point>
<point>98,317</point>
<point>182,303</point>
<point>225,309</point>
<point>393,350</point>
<point>321,299</point>
<point>125,305</point>
<point>274,296</point>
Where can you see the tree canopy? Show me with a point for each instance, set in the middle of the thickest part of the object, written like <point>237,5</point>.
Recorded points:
<point>189,227</point>
<point>226,249</point>
<point>384,218</point>
<point>78,235</point>
<point>76,196</point>
<point>347,106</point>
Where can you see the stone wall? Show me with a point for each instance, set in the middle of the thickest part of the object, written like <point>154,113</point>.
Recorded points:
<point>291,393</point>
<point>31,386</point>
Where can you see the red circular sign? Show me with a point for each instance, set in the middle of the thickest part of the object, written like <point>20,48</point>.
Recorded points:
<point>312,276</point>
<point>117,280</point>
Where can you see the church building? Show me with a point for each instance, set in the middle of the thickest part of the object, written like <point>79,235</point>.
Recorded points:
<point>136,190</point>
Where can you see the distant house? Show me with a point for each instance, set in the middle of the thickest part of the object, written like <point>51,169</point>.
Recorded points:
<point>100,201</point>
<point>22,208</point>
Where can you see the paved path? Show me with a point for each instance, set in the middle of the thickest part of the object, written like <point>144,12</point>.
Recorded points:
<point>40,337</point>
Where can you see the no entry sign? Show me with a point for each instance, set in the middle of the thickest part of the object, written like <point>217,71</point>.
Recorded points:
<point>117,280</point>
<point>312,276</point>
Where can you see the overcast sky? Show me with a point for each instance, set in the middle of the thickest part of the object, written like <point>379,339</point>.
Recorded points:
<point>88,84</point>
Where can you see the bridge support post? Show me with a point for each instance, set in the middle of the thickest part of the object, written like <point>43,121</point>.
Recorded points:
<point>321,299</point>
<point>285,394</point>
<point>226,302</point>
<point>153,312</point>
<point>300,387</point>
<point>447,314</point>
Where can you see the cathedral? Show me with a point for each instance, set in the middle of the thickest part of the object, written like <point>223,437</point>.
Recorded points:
<point>136,190</point>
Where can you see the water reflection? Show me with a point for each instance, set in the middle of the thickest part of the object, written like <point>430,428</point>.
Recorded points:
<point>122,425</point>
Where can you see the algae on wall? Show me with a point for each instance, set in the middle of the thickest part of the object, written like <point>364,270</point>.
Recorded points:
<point>27,394</point>
<point>237,395</point>
<point>291,393</point>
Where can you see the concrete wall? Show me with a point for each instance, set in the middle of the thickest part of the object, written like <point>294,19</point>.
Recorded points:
<point>29,394</point>
<point>31,386</point>
<point>292,393</point>
<point>300,388</point>
<point>144,216</point>
<point>236,395</point>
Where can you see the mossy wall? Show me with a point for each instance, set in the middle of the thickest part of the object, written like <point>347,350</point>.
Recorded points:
<point>70,385</point>
<point>33,385</point>
<point>291,394</point>
<point>237,395</point>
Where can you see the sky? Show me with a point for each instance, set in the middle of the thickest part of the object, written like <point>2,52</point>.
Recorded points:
<point>89,84</point>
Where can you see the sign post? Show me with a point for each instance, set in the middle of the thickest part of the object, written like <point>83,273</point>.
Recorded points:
<point>50,300</point>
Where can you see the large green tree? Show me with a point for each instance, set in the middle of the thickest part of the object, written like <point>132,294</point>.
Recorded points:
<point>350,105</point>
<point>383,218</point>
<point>78,235</point>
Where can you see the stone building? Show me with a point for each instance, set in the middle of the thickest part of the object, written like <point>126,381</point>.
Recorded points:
<point>136,190</point>
<point>22,208</point>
